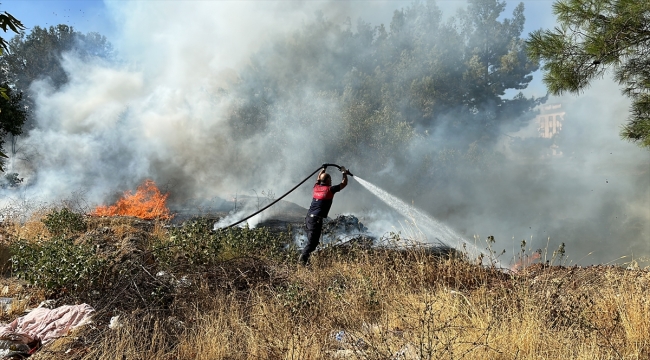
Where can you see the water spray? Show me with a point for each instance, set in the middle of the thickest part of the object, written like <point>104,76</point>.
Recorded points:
<point>432,227</point>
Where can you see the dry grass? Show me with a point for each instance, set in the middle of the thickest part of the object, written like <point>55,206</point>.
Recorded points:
<point>392,306</point>
<point>32,229</point>
<point>370,304</point>
<point>22,298</point>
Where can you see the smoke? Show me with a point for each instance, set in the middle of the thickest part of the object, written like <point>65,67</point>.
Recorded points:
<point>165,112</point>
<point>155,114</point>
<point>593,195</point>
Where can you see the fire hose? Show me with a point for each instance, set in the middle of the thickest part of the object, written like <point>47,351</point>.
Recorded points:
<point>322,167</point>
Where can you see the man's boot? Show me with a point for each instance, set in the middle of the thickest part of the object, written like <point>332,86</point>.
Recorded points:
<point>303,259</point>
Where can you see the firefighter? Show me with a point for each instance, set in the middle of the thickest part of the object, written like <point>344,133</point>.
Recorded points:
<point>321,202</point>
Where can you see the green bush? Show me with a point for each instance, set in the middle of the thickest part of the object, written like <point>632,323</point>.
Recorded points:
<point>64,222</point>
<point>253,242</point>
<point>57,264</point>
<point>193,244</point>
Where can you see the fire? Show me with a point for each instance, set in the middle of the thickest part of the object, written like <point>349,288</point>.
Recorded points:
<point>525,261</point>
<point>147,203</point>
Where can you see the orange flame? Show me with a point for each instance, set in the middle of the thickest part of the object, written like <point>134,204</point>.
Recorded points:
<point>525,262</point>
<point>147,203</point>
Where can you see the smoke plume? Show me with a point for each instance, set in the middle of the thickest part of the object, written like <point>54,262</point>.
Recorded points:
<point>164,112</point>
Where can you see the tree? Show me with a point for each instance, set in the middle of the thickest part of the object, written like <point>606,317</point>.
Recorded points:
<point>388,86</point>
<point>445,77</point>
<point>34,56</point>
<point>8,21</point>
<point>593,37</point>
<point>450,76</point>
<point>495,60</point>
<point>38,55</point>
<point>9,103</point>
<point>12,116</point>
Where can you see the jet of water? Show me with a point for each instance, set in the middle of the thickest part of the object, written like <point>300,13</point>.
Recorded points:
<point>432,228</point>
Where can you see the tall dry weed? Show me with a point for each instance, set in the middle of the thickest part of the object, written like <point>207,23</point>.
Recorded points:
<point>360,303</point>
<point>30,229</point>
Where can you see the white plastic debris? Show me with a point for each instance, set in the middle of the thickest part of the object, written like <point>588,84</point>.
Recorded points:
<point>114,323</point>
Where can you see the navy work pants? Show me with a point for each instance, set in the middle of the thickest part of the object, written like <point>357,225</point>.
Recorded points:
<point>314,227</point>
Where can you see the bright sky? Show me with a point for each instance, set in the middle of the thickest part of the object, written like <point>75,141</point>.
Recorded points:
<point>83,15</point>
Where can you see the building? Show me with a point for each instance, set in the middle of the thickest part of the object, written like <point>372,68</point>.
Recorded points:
<point>549,120</point>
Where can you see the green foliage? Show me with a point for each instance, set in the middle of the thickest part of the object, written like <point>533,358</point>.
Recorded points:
<point>13,113</point>
<point>195,244</point>
<point>8,21</point>
<point>57,264</point>
<point>38,55</point>
<point>10,181</point>
<point>258,241</point>
<point>297,299</point>
<point>594,36</point>
<point>12,117</point>
<point>191,245</point>
<point>64,222</point>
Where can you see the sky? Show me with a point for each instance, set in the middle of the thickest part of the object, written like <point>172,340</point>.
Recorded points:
<point>83,15</point>
<point>152,116</point>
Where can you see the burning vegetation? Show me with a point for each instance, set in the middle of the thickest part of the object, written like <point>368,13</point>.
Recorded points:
<point>146,203</point>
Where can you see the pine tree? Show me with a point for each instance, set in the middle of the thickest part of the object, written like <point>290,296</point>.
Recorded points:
<point>13,114</point>
<point>593,37</point>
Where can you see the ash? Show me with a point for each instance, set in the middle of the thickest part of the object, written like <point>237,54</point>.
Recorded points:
<point>346,229</point>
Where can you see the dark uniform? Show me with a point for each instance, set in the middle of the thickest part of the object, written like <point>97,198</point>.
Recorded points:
<point>320,206</point>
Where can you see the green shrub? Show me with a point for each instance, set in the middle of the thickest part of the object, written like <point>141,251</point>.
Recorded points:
<point>193,244</point>
<point>253,242</point>
<point>57,264</point>
<point>64,222</point>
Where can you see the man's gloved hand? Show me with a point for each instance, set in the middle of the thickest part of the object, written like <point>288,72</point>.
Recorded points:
<point>344,170</point>
<point>324,166</point>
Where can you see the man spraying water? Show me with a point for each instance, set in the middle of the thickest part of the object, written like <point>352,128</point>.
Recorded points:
<point>322,197</point>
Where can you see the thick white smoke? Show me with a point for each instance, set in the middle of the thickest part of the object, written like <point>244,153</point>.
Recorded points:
<point>158,113</point>
<point>161,113</point>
